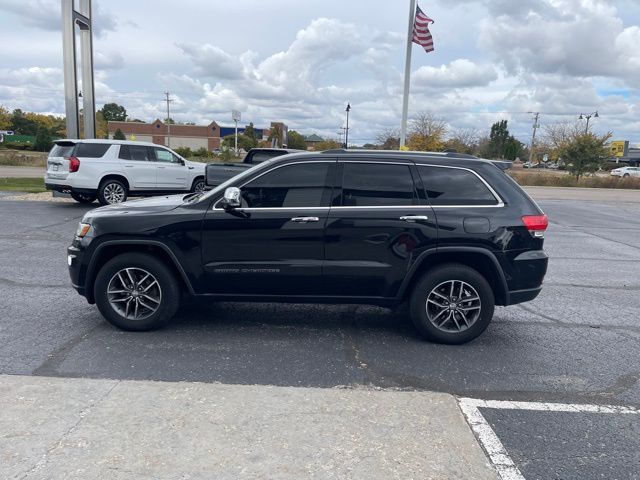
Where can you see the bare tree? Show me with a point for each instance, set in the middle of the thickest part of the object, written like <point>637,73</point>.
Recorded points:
<point>463,140</point>
<point>389,139</point>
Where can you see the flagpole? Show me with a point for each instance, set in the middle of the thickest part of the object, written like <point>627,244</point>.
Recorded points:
<point>407,75</point>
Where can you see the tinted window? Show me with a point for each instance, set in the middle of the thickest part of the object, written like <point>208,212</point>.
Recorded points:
<point>369,184</point>
<point>134,152</point>
<point>452,186</point>
<point>163,155</point>
<point>260,157</point>
<point>62,150</point>
<point>300,185</point>
<point>91,150</point>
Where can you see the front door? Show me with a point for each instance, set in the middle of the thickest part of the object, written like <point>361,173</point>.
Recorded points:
<point>171,173</point>
<point>273,244</point>
<point>378,225</point>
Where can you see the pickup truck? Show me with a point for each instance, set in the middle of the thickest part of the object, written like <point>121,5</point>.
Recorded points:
<point>217,173</point>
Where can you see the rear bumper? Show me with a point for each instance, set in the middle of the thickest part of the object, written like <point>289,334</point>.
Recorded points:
<point>59,187</point>
<point>521,296</point>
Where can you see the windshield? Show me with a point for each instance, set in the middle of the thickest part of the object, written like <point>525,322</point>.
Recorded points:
<point>232,180</point>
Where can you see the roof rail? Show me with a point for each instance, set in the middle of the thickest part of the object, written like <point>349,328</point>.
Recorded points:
<point>400,152</point>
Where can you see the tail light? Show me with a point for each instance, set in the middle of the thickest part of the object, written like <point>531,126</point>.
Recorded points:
<point>74,164</point>
<point>536,224</point>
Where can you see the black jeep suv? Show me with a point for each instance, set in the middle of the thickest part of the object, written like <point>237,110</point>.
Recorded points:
<point>452,235</point>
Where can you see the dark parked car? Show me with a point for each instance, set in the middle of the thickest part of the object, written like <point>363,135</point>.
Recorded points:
<point>451,236</point>
<point>217,173</point>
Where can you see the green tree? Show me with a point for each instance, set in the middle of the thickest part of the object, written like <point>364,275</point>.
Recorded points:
<point>244,142</point>
<point>23,125</point>
<point>275,136</point>
<point>513,148</point>
<point>296,140</point>
<point>112,112</point>
<point>43,142</point>
<point>250,132</point>
<point>585,153</point>
<point>498,139</point>
<point>118,135</point>
<point>183,152</point>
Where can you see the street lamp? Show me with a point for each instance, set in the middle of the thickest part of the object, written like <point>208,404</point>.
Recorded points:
<point>346,135</point>
<point>588,117</point>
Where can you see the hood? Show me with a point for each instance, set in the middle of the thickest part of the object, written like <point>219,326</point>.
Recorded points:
<point>135,207</point>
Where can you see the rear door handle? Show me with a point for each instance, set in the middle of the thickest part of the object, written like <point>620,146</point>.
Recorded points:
<point>414,218</point>
<point>162,167</point>
<point>305,219</point>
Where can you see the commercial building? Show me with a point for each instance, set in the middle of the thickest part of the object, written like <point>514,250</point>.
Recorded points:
<point>191,136</point>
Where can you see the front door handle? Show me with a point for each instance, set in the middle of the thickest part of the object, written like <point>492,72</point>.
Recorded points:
<point>414,218</point>
<point>305,219</point>
<point>161,167</point>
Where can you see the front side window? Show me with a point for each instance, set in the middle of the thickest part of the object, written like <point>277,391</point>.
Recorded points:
<point>163,155</point>
<point>91,150</point>
<point>371,184</point>
<point>454,186</point>
<point>299,185</point>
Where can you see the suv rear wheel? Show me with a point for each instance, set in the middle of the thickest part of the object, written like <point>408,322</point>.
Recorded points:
<point>452,304</point>
<point>198,185</point>
<point>136,292</point>
<point>112,191</point>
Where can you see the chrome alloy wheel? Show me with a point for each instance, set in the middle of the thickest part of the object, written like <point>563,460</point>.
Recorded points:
<point>453,306</point>
<point>113,193</point>
<point>134,293</point>
<point>199,186</point>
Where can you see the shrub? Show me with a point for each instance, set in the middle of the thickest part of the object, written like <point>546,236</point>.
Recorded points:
<point>184,152</point>
<point>551,180</point>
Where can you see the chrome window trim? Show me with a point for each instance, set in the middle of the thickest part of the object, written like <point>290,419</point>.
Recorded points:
<point>371,162</point>
<point>486,184</point>
<point>215,206</point>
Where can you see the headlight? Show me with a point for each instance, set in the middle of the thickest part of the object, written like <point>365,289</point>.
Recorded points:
<point>83,229</point>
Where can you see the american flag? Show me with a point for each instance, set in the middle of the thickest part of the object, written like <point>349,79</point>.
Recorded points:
<point>421,34</point>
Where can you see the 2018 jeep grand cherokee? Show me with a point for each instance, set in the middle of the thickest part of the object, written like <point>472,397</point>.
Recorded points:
<point>453,236</point>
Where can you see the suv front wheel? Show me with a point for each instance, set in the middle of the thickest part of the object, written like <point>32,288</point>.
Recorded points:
<point>137,292</point>
<point>452,304</point>
<point>112,191</point>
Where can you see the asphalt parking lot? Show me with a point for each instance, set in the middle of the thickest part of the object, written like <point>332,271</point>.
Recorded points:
<point>578,343</point>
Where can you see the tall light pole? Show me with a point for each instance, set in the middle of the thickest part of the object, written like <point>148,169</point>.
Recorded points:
<point>588,117</point>
<point>346,135</point>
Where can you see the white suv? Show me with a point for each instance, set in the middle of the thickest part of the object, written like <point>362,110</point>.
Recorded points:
<point>112,170</point>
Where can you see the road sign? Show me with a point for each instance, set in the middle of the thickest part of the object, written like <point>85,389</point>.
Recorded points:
<point>619,148</point>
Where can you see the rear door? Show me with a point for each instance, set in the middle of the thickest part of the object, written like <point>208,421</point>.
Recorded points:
<point>139,167</point>
<point>172,174</point>
<point>58,160</point>
<point>378,225</point>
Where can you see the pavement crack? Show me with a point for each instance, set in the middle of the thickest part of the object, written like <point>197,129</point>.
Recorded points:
<point>49,368</point>
<point>13,283</point>
<point>58,444</point>
<point>621,385</point>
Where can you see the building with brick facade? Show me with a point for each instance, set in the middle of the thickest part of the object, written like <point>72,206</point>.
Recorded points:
<point>191,136</point>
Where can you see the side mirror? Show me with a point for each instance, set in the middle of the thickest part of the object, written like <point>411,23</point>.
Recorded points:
<point>231,198</point>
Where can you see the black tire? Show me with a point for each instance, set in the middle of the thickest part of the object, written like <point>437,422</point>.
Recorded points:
<point>626,175</point>
<point>168,286</point>
<point>83,198</point>
<point>198,185</point>
<point>440,278</point>
<point>109,185</point>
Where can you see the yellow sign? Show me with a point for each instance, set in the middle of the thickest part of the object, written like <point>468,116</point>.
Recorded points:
<point>132,137</point>
<point>617,148</point>
<point>404,148</point>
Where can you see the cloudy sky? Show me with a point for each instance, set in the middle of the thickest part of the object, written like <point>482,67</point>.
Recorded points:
<point>301,62</point>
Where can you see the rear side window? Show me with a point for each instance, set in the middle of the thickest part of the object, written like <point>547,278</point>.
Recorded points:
<point>299,185</point>
<point>163,155</point>
<point>91,150</point>
<point>135,152</point>
<point>454,186</point>
<point>370,184</point>
<point>259,157</point>
<point>62,150</point>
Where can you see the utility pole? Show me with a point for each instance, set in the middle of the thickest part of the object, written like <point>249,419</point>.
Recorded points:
<point>533,137</point>
<point>340,134</point>
<point>168,100</point>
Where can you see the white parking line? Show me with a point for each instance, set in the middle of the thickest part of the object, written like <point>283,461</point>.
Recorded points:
<point>491,443</point>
